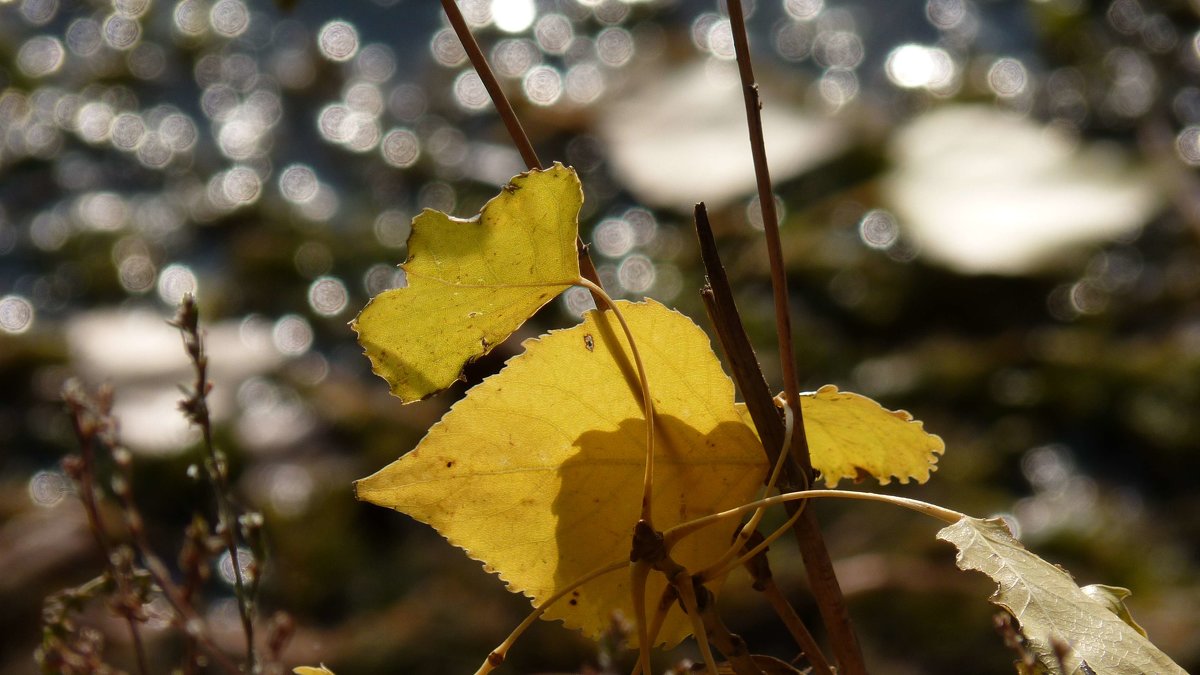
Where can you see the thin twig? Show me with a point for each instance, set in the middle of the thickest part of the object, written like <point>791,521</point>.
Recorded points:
<point>92,421</point>
<point>816,556</point>
<point>195,407</point>
<point>766,199</point>
<point>185,615</point>
<point>731,333</point>
<point>459,24</point>
<point>88,425</point>
<point>759,568</point>
<point>511,121</point>
<point>731,645</point>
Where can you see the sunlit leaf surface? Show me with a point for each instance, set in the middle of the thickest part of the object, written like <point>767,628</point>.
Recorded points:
<point>538,471</point>
<point>471,283</point>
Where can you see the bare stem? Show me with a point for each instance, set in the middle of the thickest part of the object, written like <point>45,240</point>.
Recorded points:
<point>87,425</point>
<point>732,646</point>
<point>764,581</point>
<point>509,116</point>
<point>766,199</point>
<point>498,654</point>
<point>743,363</point>
<point>804,639</point>
<point>647,401</point>
<point>196,409</point>
<point>479,62</point>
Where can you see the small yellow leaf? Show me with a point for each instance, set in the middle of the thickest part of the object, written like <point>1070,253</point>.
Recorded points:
<point>309,670</point>
<point>852,436</point>
<point>538,471</point>
<point>471,283</point>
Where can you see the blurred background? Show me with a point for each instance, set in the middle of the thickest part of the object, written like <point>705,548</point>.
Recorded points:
<point>991,214</point>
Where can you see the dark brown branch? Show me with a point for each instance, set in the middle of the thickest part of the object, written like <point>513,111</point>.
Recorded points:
<point>764,582</point>
<point>718,300</point>
<point>732,646</point>
<point>812,546</point>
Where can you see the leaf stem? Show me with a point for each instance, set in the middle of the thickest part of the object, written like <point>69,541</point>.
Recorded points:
<point>674,534</point>
<point>647,401</point>
<point>666,600</point>
<point>720,565</point>
<point>687,596</point>
<point>639,571</point>
<point>715,571</point>
<point>497,656</point>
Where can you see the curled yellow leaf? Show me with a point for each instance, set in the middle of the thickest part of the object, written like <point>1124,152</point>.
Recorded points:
<point>471,283</point>
<point>852,436</point>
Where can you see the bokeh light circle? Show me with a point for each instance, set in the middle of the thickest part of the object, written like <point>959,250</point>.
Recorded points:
<point>338,41</point>
<point>328,296</point>
<point>400,148</point>
<point>16,314</point>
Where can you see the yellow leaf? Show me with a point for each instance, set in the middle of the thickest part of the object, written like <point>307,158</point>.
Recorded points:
<point>309,670</point>
<point>471,283</point>
<point>1051,607</point>
<point>852,436</point>
<point>538,471</point>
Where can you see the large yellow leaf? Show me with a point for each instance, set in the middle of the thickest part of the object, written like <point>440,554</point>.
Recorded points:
<point>1050,606</point>
<point>852,436</point>
<point>538,471</point>
<point>471,283</point>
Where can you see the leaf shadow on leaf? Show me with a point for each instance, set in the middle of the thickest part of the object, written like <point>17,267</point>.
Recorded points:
<point>601,495</point>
